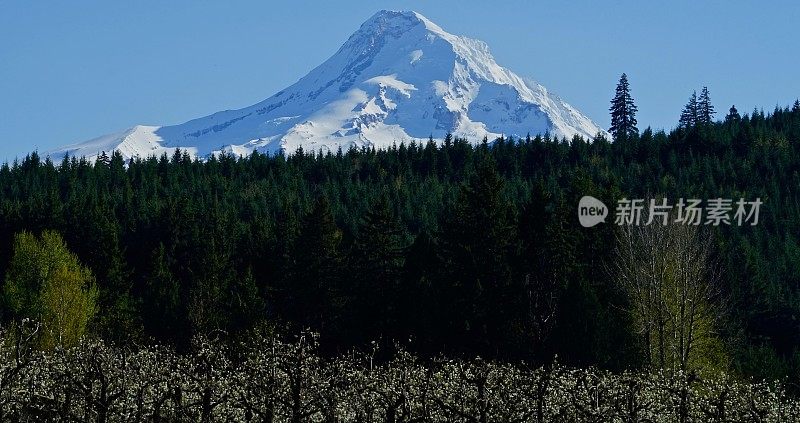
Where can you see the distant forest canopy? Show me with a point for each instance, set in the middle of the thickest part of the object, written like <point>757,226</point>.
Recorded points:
<point>455,248</point>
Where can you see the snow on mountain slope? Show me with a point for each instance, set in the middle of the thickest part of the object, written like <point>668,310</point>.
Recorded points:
<point>399,78</point>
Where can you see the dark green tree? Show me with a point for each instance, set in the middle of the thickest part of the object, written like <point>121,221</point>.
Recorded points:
<point>425,316</point>
<point>478,246</point>
<point>690,114</point>
<point>164,309</point>
<point>245,303</point>
<point>733,115</point>
<point>623,111</point>
<point>377,260</point>
<point>313,288</point>
<point>545,262</point>
<point>705,110</point>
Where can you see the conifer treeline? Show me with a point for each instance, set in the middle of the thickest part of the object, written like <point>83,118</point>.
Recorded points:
<point>460,248</point>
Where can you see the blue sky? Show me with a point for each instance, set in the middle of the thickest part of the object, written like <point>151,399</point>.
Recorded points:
<point>73,70</point>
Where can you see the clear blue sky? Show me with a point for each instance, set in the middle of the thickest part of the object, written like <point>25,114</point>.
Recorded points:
<point>73,70</point>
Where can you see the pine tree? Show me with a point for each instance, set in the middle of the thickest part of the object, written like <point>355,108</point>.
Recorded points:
<point>162,306</point>
<point>377,260</point>
<point>623,111</point>
<point>312,289</point>
<point>733,115</point>
<point>478,245</point>
<point>705,110</point>
<point>796,106</point>
<point>98,235</point>
<point>103,159</point>
<point>689,116</point>
<point>544,260</point>
<point>209,289</point>
<point>244,302</point>
<point>424,316</point>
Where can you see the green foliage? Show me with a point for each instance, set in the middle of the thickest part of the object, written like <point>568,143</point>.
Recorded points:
<point>312,293</point>
<point>623,111</point>
<point>705,110</point>
<point>376,266</point>
<point>700,111</point>
<point>690,115</point>
<point>47,283</point>
<point>672,287</point>
<point>476,255</point>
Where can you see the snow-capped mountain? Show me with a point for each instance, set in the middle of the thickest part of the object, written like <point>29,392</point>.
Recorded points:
<point>399,78</point>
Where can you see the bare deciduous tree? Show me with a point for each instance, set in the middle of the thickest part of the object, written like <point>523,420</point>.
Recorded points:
<point>671,281</point>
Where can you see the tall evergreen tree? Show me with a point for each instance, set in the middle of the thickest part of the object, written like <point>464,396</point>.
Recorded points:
<point>377,259</point>
<point>97,232</point>
<point>545,261</point>
<point>163,309</point>
<point>733,115</point>
<point>689,115</point>
<point>313,290</point>
<point>244,302</point>
<point>623,111</point>
<point>103,159</point>
<point>705,110</point>
<point>479,243</point>
<point>796,106</point>
<point>421,274</point>
<point>210,288</point>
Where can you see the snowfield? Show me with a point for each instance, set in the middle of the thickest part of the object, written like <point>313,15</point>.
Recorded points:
<point>399,78</point>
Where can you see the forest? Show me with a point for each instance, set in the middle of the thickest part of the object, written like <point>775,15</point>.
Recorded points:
<point>450,249</point>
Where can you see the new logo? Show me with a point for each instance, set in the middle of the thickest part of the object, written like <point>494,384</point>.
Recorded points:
<point>591,211</point>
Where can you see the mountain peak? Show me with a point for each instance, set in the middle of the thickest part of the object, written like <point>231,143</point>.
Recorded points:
<point>398,78</point>
<point>385,26</point>
<point>398,19</point>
